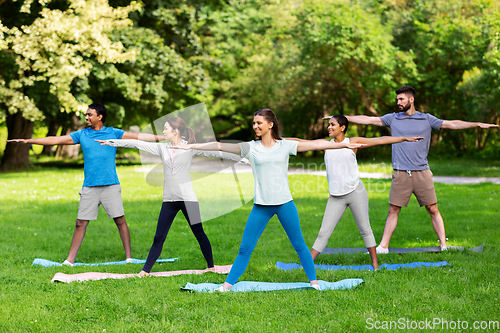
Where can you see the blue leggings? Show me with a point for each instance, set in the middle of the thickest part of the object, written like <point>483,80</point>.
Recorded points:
<point>257,222</point>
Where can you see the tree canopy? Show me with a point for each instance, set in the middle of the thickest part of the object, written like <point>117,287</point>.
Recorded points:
<point>303,59</point>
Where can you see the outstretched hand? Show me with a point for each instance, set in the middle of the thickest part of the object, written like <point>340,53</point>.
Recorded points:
<point>18,140</point>
<point>484,125</point>
<point>102,142</point>
<point>414,139</point>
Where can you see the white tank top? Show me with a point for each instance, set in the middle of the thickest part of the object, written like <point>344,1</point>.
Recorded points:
<point>341,170</point>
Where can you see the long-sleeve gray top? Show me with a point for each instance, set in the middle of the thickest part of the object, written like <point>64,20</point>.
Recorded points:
<point>176,165</point>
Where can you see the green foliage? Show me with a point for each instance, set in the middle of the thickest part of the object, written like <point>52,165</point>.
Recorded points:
<point>451,41</point>
<point>303,59</point>
<point>57,48</point>
<point>168,73</point>
<point>308,59</point>
<point>346,62</point>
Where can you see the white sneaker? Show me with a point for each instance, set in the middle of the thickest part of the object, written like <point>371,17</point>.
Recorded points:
<point>381,250</point>
<point>67,263</point>
<point>316,286</point>
<point>129,260</point>
<point>444,248</point>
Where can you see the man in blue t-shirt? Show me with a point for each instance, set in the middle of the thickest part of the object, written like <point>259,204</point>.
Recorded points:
<point>409,160</point>
<point>100,185</point>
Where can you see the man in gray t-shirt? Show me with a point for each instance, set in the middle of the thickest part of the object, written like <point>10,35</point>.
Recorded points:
<point>409,160</point>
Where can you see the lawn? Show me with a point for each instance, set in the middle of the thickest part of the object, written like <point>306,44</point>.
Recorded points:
<point>38,210</point>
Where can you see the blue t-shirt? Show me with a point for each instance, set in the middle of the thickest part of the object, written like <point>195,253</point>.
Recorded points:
<point>99,165</point>
<point>411,155</point>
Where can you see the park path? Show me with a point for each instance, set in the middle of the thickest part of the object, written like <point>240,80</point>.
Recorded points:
<point>212,165</point>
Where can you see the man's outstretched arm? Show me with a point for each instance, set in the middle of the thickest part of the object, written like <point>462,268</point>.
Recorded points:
<point>460,124</point>
<point>363,120</point>
<point>47,141</point>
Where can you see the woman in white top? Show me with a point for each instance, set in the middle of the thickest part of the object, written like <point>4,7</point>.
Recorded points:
<point>269,159</point>
<point>345,187</point>
<point>178,192</point>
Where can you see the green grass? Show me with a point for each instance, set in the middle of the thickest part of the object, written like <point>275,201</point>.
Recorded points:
<point>38,211</point>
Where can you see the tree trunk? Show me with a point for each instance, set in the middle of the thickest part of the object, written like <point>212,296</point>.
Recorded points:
<point>53,128</point>
<point>70,151</point>
<point>16,155</point>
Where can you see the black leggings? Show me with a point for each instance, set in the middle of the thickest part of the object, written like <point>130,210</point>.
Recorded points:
<point>191,210</point>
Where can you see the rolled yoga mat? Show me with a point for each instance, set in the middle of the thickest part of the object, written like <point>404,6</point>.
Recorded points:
<point>48,263</point>
<point>246,286</point>
<point>93,276</point>
<point>329,250</point>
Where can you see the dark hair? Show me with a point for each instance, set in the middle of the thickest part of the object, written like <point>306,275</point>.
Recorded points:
<point>406,90</point>
<point>270,117</point>
<point>342,120</point>
<point>185,132</point>
<point>100,109</point>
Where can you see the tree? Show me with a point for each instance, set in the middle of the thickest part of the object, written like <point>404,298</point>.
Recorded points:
<point>168,72</point>
<point>48,56</point>
<point>248,40</point>
<point>451,41</point>
<point>346,64</point>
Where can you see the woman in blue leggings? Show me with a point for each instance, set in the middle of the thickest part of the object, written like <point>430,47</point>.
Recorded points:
<point>269,159</point>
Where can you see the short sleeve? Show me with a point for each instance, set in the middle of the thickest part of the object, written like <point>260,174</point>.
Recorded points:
<point>387,119</point>
<point>76,136</point>
<point>245,148</point>
<point>292,146</point>
<point>118,132</point>
<point>434,122</point>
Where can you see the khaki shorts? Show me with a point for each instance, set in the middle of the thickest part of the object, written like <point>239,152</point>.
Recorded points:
<point>420,183</point>
<point>109,196</point>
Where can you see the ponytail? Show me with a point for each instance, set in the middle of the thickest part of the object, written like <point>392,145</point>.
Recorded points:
<point>190,135</point>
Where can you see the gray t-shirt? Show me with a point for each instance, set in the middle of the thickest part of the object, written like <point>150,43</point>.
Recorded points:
<point>270,170</point>
<point>411,155</point>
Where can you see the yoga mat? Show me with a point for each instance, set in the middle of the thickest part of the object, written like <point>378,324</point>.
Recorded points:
<point>48,263</point>
<point>245,286</point>
<point>329,250</point>
<point>93,276</point>
<point>392,267</point>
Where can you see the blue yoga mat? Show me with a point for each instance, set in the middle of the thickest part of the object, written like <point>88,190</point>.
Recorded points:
<point>245,286</point>
<point>48,263</point>
<point>329,250</point>
<point>392,267</point>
